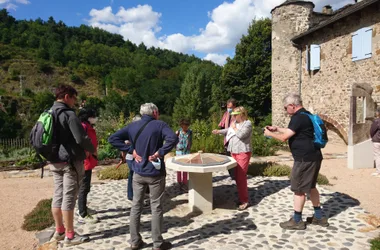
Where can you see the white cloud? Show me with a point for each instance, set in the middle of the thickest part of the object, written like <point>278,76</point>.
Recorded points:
<point>227,23</point>
<point>334,4</point>
<point>23,1</point>
<point>105,15</point>
<point>217,58</point>
<point>12,4</point>
<point>138,24</point>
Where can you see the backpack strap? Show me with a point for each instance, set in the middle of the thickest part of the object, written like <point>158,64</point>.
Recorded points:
<point>55,115</point>
<point>139,132</point>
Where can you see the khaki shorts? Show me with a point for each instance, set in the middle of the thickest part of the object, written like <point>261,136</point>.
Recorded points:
<point>67,179</point>
<point>304,176</point>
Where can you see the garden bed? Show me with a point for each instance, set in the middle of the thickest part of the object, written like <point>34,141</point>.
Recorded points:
<point>10,166</point>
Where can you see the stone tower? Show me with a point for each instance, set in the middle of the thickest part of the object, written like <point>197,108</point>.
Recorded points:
<point>289,19</point>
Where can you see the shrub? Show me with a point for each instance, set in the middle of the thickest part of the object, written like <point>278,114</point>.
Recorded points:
<point>7,153</point>
<point>322,180</point>
<point>94,103</point>
<point>113,173</point>
<point>106,126</point>
<point>28,93</point>
<point>203,139</point>
<point>268,169</point>
<point>15,74</point>
<point>261,145</point>
<point>31,159</point>
<point>44,67</point>
<point>168,120</point>
<point>107,152</point>
<point>74,78</point>
<point>375,243</point>
<point>40,217</point>
<point>272,169</point>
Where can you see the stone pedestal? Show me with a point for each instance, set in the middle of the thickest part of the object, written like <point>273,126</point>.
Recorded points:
<point>200,168</point>
<point>360,155</point>
<point>200,192</point>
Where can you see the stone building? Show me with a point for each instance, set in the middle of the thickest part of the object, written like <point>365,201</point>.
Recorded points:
<point>332,59</point>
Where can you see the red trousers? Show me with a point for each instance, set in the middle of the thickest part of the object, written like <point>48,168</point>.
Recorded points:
<point>241,169</point>
<point>182,177</point>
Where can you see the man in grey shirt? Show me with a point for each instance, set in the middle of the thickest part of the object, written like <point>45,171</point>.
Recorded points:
<point>67,168</point>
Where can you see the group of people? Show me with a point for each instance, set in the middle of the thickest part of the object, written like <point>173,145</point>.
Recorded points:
<point>146,141</point>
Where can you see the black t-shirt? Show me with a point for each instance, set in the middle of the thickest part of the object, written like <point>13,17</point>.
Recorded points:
<point>302,143</point>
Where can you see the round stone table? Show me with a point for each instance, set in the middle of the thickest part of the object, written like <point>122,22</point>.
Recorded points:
<point>200,167</point>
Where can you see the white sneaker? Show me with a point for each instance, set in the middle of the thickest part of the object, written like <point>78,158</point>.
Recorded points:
<point>57,236</point>
<point>89,211</point>
<point>78,239</point>
<point>375,174</point>
<point>89,219</point>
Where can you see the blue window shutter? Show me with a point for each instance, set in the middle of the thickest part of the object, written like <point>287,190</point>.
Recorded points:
<point>307,58</point>
<point>356,46</point>
<point>367,42</point>
<point>315,57</point>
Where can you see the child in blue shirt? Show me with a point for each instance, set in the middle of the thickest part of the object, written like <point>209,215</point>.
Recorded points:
<point>185,137</point>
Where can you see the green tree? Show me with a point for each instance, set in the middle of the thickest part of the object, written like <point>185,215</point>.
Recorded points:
<point>163,93</point>
<point>247,77</point>
<point>41,102</point>
<point>195,99</point>
<point>125,79</point>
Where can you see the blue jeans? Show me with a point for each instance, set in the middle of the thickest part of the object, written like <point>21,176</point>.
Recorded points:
<point>130,179</point>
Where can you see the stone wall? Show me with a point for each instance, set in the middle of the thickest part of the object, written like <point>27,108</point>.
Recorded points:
<point>328,90</point>
<point>287,22</point>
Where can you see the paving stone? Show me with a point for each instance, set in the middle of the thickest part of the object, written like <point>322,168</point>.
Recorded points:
<point>224,228</point>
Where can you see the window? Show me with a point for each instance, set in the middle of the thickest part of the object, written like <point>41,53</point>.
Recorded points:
<point>315,57</point>
<point>362,44</point>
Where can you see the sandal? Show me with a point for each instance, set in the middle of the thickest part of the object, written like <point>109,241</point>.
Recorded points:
<point>243,206</point>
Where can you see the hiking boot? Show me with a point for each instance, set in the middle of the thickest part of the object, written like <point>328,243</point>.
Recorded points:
<point>89,219</point>
<point>314,221</point>
<point>57,236</point>
<point>293,225</point>
<point>78,239</point>
<point>139,246</point>
<point>164,246</point>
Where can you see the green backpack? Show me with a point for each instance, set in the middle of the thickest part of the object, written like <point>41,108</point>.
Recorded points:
<point>44,135</point>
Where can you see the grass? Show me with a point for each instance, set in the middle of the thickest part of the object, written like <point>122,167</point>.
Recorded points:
<point>40,217</point>
<point>270,169</point>
<point>111,173</point>
<point>375,243</point>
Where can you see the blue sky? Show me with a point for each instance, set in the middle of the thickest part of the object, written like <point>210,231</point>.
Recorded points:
<point>209,29</point>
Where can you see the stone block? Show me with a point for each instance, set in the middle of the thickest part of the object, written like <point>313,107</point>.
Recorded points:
<point>360,155</point>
